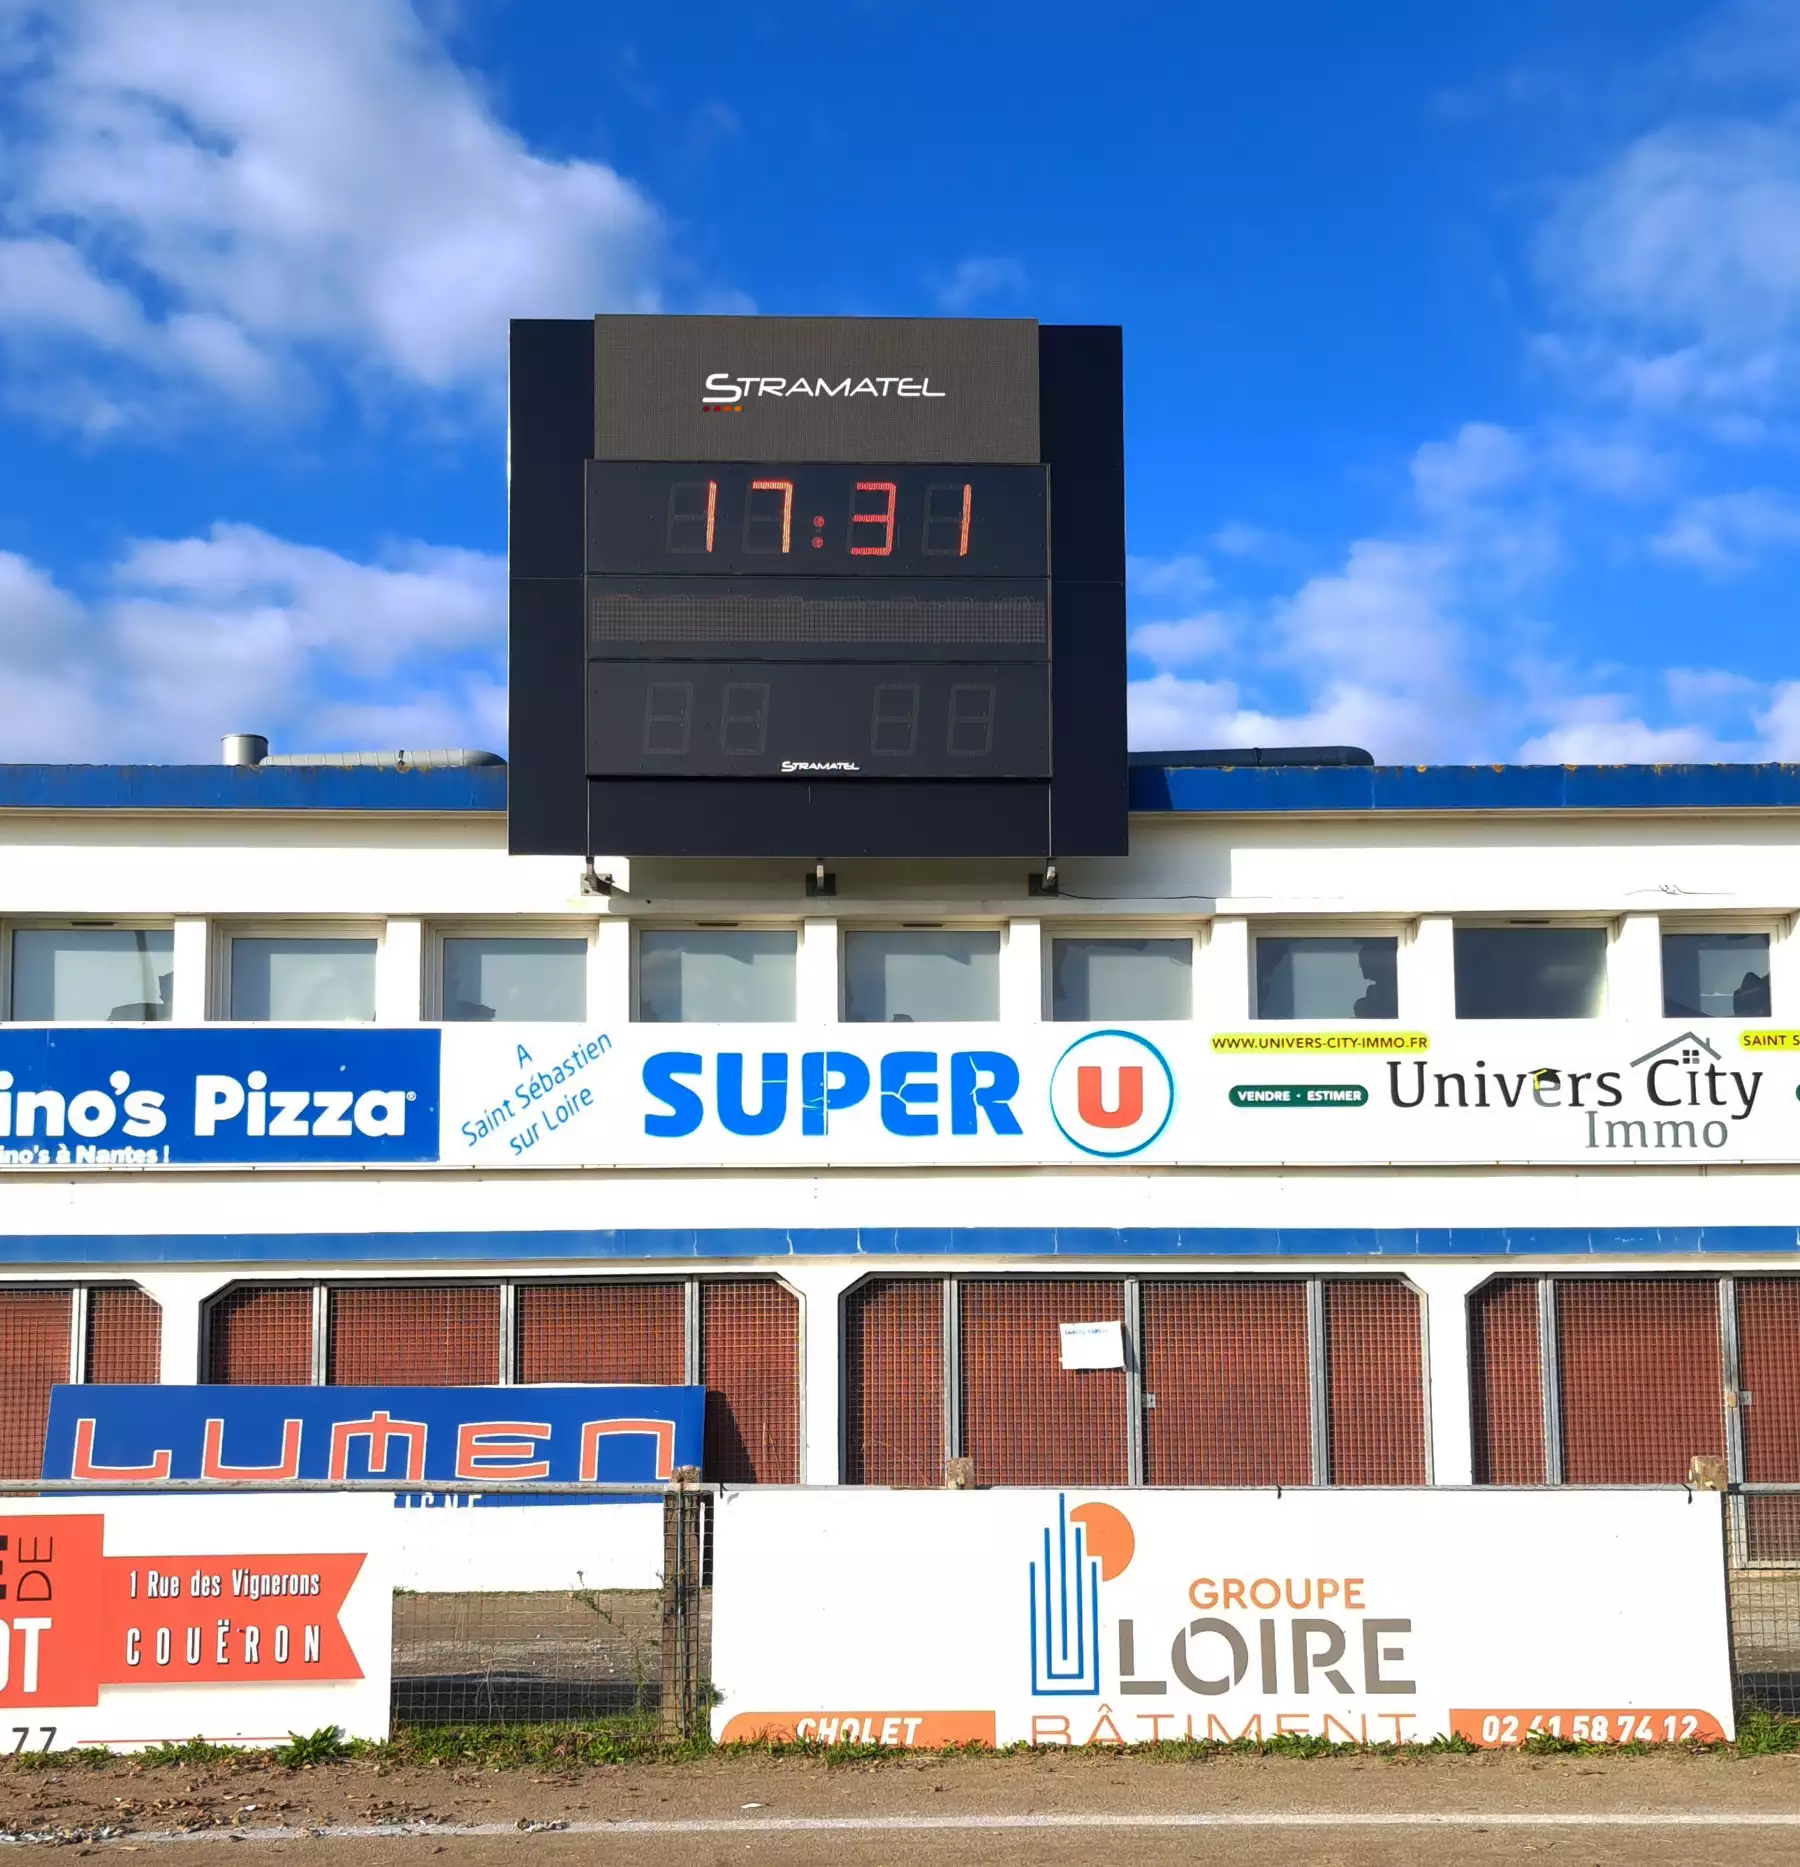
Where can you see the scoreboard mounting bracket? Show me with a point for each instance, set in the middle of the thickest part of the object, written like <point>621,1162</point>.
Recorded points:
<point>816,588</point>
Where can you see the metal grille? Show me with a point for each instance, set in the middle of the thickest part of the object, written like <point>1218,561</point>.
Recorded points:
<point>1506,1399</point>
<point>1768,1338</point>
<point>34,1355</point>
<point>602,1332</point>
<point>894,1382</point>
<point>260,1335</point>
<point>759,621</point>
<point>414,1335</point>
<point>1025,1418</point>
<point>1639,1378</point>
<point>124,1336</point>
<point>1226,1391</point>
<point>750,1364</point>
<point>1376,1386</point>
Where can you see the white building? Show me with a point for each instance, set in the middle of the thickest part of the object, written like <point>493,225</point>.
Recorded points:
<point>1353,1098</point>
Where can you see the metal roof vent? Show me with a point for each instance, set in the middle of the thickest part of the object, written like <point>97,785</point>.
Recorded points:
<point>252,750</point>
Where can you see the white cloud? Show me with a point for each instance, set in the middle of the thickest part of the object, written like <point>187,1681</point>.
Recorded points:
<point>1479,461</point>
<point>978,278</point>
<point>1182,579</point>
<point>219,194</point>
<point>1185,643</point>
<point>1727,532</point>
<point>1679,264</point>
<point>240,631</point>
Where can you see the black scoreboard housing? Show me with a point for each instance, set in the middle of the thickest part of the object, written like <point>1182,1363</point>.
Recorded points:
<point>816,588</point>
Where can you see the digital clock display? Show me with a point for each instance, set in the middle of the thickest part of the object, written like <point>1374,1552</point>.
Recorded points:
<point>825,622</point>
<point>722,519</point>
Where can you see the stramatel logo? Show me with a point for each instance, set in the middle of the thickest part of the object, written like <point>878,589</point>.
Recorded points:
<point>727,394</point>
<point>1112,1093</point>
<point>804,765</point>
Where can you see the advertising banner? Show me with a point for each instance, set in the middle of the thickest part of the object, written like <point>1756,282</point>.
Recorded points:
<point>937,1617</point>
<point>496,1097</point>
<point>132,1621</point>
<point>124,1435</point>
<point>1568,1092</point>
<point>216,1095</point>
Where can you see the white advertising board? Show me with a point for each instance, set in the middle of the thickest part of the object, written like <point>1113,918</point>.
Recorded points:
<point>138,1620</point>
<point>926,1618</point>
<point>1577,1092</point>
<point>746,1096</point>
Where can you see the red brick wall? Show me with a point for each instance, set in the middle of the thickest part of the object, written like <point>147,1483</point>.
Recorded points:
<point>1506,1397</point>
<point>1026,1419</point>
<point>1375,1382</point>
<point>1225,1359</point>
<point>750,1362</point>
<point>894,1382</point>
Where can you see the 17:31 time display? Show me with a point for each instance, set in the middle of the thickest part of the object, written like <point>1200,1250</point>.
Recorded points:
<point>838,519</point>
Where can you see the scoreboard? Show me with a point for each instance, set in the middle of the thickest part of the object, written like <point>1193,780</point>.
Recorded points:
<point>816,588</point>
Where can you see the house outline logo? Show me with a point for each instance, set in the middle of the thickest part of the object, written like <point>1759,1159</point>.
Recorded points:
<point>1687,1037</point>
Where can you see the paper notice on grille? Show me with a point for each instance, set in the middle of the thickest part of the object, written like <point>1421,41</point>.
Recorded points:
<point>1093,1344</point>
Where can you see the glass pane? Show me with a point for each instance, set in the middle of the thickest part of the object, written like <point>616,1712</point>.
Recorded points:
<point>302,981</point>
<point>708,975</point>
<point>1530,972</point>
<point>920,977</point>
<point>1094,980</point>
<point>100,975</point>
<point>1715,975</point>
<point>1339,976</point>
<point>516,981</point>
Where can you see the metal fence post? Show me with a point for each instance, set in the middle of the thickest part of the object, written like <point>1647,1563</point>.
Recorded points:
<point>682,1689</point>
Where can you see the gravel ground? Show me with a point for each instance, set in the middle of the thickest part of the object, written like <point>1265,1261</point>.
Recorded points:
<point>131,1805</point>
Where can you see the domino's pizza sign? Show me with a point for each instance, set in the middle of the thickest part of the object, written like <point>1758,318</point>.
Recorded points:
<point>85,1096</point>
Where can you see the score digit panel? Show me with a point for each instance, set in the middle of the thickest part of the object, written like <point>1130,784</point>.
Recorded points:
<point>820,621</point>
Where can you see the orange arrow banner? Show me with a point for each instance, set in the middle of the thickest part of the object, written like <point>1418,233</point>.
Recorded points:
<point>73,1619</point>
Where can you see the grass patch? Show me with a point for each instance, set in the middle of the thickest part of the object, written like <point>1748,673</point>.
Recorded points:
<point>1766,1733</point>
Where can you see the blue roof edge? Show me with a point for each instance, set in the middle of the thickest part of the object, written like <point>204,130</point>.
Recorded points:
<point>1340,788</point>
<point>474,788</point>
<point>1155,790</point>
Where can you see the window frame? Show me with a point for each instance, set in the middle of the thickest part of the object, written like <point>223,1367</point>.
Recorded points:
<point>539,927</point>
<point>39,923</point>
<point>948,924</point>
<point>1774,926</point>
<point>1402,932</point>
<point>225,932</point>
<point>1609,926</point>
<point>1195,933</point>
<point>688,923</point>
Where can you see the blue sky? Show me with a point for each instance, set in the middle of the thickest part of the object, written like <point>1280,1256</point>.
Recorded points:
<point>1462,343</point>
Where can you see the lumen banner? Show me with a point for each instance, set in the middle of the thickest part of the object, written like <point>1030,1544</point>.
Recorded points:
<point>1124,1617</point>
<point>502,1097</point>
<point>132,1621</point>
<point>126,1435</point>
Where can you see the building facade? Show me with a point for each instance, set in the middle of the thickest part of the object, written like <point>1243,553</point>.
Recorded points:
<point>1395,1127</point>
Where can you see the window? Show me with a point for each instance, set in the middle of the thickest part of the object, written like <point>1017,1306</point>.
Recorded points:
<point>302,980</point>
<point>1530,972</point>
<point>1126,980</point>
<point>921,976</point>
<point>515,981</point>
<point>716,975</point>
<point>94,975</point>
<point>1340,976</point>
<point>1715,975</point>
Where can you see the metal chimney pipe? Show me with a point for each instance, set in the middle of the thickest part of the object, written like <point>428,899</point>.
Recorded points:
<point>245,749</point>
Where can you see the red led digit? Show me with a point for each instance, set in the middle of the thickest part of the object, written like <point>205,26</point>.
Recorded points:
<point>786,489</point>
<point>962,549</point>
<point>883,518</point>
<point>712,508</point>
